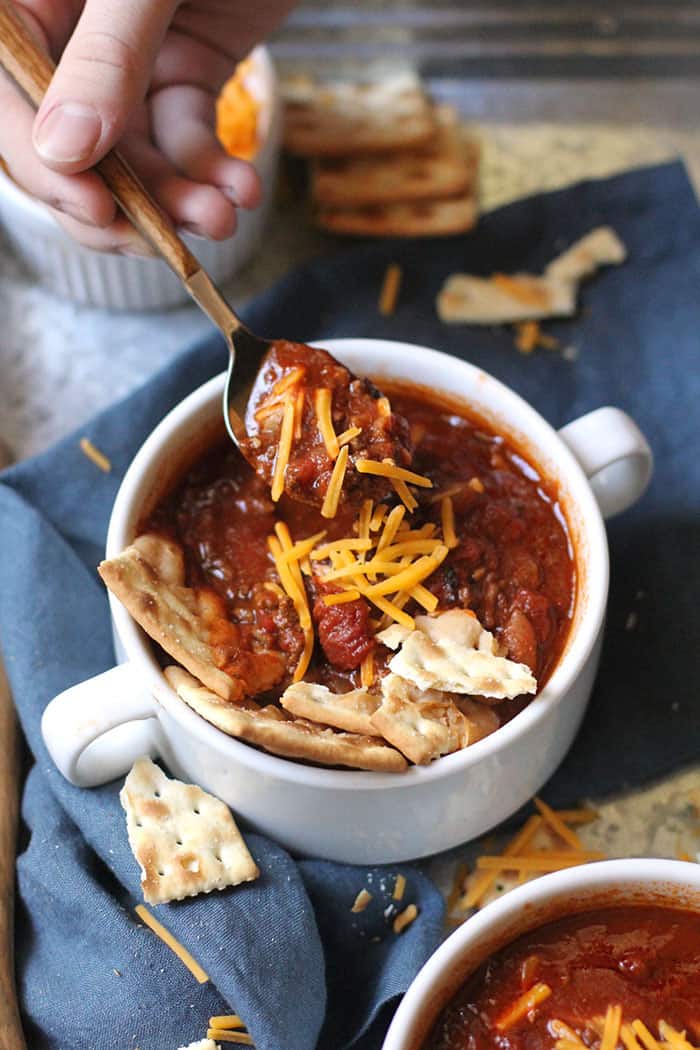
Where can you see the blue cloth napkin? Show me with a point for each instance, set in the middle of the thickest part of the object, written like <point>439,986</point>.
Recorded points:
<point>285,952</point>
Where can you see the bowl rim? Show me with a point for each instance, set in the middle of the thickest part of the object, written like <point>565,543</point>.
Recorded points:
<point>627,872</point>
<point>38,211</point>
<point>555,691</point>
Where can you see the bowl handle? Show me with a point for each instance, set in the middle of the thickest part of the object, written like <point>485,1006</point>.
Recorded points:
<point>614,454</point>
<point>95,730</point>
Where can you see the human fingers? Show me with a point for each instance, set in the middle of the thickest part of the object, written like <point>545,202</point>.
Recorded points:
<point>102,76</point>
<point>182,126</point>
<point>202,209</point>
<point>83,196</point>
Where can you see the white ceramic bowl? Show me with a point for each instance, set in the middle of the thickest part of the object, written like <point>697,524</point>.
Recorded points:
<point>119,282</point>
<point>96,729</point>
<point>670,883</point>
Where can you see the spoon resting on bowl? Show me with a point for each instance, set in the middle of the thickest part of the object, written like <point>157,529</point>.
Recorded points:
<point>291,409</point>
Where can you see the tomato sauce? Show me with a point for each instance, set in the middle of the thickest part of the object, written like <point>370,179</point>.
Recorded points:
<point>644,959</point>
<point>513,565</point>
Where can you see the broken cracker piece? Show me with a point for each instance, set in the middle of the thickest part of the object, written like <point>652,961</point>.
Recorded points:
<point>276,731</point>
<point>422,724</point>
<point>350,711</point>
<point>453,653</point>
<point>503,298</point>
<point>446,166</point>
<point>148,578</point>
<point>427,218</point>
<point>338,118</point>
<point>185,840</point>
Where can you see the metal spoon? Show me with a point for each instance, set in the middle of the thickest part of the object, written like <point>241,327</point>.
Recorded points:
<point>31,69</point>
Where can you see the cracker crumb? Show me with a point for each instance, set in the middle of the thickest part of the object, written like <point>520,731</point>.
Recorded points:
<point>570,353</point>
<point>631,621</point>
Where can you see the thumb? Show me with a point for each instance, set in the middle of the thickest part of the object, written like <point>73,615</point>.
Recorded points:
<point>102,77</point>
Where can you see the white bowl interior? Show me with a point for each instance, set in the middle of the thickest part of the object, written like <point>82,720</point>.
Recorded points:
<point>188,429</point>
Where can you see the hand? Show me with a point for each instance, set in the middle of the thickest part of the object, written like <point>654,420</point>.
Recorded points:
<point>143,74</point>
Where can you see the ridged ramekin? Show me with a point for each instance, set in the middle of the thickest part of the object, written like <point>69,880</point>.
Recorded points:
<point>118,282</point>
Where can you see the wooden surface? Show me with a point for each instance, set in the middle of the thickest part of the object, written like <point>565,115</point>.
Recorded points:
<point>11,1037</point>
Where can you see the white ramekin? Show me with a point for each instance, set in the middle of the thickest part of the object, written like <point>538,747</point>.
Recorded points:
<point>119,282</point>
<point>670,883</point>
<point>96,729</point>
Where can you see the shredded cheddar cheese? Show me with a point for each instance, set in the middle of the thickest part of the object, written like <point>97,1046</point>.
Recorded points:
<point>290,379</point>
<point>387,469</point>
<point>399,887</point>
<point>167,938</point>
<point>633,1035</point>
<point>447,515</point>
<point>676,1040</point>
<point>361,901</point>
<point>405,918</point>
<point>367,670</point>
<point>335,485</point>
<point>541,861</point>
<point>567,1038</point>
<point>391,527</point>
<point>611,1029</point>
<point>348,544</point>
<point>225,1035</point>
<point>644,1035</point>
<point>323,400</point>
<point>237,116</point>
<point>226,1021</point>
<point>299,413</point>
<point>341,597</point>
<point>349,435</point>
<point>629,1038</point>
<point>522,1006</point>
<point>93,453</point>
<point>557,824</point>
<point>283,450</point>
<point>523,292</point>
<point>484,884</point>
<point>390,289</point>
<point>378,517</point>
<point>405,495</point>
<point>292,582</point>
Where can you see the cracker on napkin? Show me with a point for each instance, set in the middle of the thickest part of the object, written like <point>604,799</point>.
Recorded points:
<point>505,298</point>
<point>446,166</point>
<point>340,118</point>
<point>429,218</point>
<point>276,731</point>
<point>185,840</point>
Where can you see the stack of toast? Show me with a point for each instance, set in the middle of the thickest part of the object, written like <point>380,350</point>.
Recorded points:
<point>385,161</point>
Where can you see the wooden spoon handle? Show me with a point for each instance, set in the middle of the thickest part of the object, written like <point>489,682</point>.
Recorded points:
<point>31,68</point>
<point>11,1037</point>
